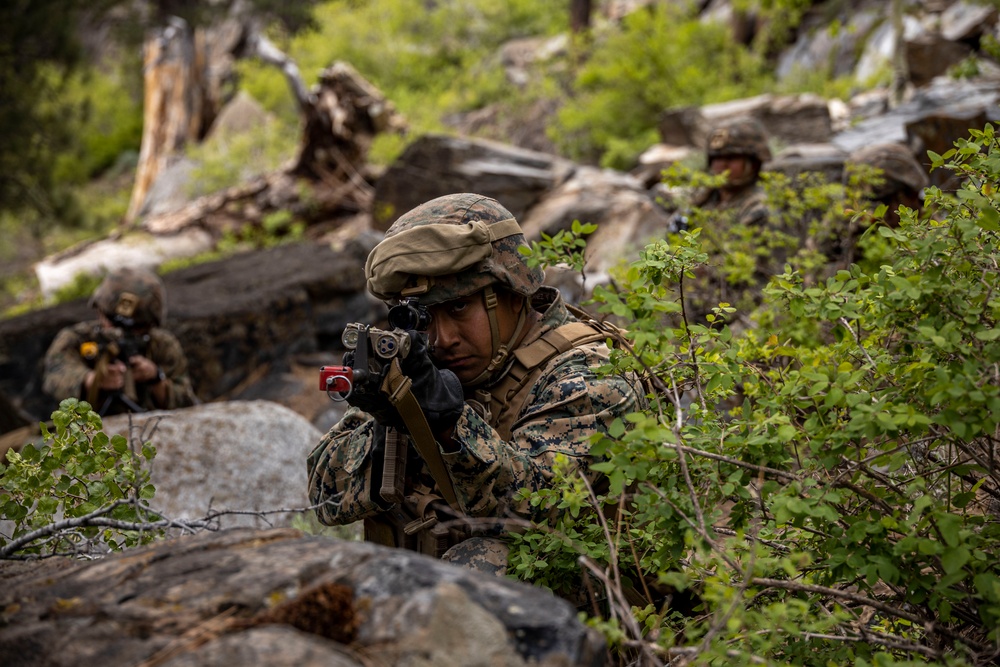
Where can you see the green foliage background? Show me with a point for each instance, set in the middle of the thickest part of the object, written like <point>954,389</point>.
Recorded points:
<point>820,488</point>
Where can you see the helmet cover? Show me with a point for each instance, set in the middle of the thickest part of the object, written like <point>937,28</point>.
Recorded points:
<point>744,136</point>
<point>450,247</point>
<point>899,167</point>
<point>131,297</point>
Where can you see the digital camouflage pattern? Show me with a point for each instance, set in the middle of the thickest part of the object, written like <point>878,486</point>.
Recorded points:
<point>482,554</point>
<point>568,403</point>
<point>505,266</point>
<point>899,167</point>
<point>131,297</point>
<point>740,136</point>
<point>66,367</point>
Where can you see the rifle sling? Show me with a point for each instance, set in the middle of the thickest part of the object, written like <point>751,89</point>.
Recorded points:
<point>397,387</point>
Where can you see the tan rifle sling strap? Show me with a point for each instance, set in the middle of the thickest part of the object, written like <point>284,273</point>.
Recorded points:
<point>397,387</point>
<point>504,399</point>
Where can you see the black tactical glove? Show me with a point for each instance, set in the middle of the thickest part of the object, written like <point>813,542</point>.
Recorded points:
<point>439,392</point>
<point>368,397</point>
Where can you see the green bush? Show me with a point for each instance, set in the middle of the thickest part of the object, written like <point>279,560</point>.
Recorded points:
<point>431,61</point>
<point>659,58</point>
<point>81,492</point>
<point>822,499</point>
<point>110,119</point>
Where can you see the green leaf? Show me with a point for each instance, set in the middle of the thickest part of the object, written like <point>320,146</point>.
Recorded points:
<point>949,525</point>
<point>952,560</point>
<point>989,218</point>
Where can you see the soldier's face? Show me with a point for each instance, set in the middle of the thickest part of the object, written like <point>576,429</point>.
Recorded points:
<point>460,333</point>
<point>738,167</point>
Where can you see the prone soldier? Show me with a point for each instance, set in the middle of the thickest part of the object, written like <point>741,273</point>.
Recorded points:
<point>498,380</point>
<point>897,180</point>
<point>124,361</point>
<point>900,178</point>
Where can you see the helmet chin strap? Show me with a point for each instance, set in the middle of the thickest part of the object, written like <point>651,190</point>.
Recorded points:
<point>501,350</point>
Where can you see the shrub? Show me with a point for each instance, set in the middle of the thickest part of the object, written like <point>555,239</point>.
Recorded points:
<point>660,58</point>
<point>821,499</point>
<point>81,492</point>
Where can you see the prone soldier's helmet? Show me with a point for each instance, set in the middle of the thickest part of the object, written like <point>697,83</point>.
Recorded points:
<point>899,167</point>
<point>744,136</point>
<point>131,297</point>
<point>451,247</point>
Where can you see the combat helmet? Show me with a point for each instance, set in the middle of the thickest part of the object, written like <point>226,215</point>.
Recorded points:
<point>739,136</point>
<point>451,247</point>
<point>899,167</point>
<point>131,297</point>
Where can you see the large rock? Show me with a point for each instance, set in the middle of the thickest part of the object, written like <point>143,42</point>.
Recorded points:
<point>788,119</point>
<point>930,55</point>
<point>967,21</point>
<point>822,158</point>
<point>436,165</point>
<point>938,132</point>
<point>240,320</point>
<point>825,49</point>
<point>626,215</point>
<point>242,456</point>
<point>944,96</point>
<point>277,597</point>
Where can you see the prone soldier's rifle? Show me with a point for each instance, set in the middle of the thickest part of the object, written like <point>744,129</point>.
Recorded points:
<point>374,366</point>
<point>110,344</point>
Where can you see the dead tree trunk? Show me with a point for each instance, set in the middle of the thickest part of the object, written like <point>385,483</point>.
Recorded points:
<point>897,87</point>
<point>579,15</point>
<point>185,76</point>
<point>341,116</point>
<point>171,106</point>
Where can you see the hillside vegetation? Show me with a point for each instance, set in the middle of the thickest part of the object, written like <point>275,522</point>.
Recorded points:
<point>599,97</point>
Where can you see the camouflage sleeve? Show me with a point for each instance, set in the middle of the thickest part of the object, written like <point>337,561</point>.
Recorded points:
<point>340,471</point>
<point>65,369</point>
<point>569,403</point>
<point>169,355</point>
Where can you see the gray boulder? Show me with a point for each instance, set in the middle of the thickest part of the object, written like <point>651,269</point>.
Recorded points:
<point>244,456</point>
<point>437,165</point>
<point>278,597</point>
<point>241,321</point>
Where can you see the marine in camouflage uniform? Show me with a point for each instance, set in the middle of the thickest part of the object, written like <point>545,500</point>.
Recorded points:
<point>741,139</point>
<point>539,397</point>
<point>746,244</point>
<point>131,307</point>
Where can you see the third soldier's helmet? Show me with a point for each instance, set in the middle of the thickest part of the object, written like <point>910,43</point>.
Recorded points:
<point>451,247</point>
<point>741,136</point>
<point>900,168</point>
<point>131,297</point>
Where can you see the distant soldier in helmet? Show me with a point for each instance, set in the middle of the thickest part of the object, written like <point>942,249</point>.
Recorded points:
<point>746,244</point>
<point>900,179</point>
<point>503,373</point>
<point>124,361</point>
<point>739,149</point>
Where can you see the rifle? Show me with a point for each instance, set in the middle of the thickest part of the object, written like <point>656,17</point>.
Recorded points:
<point>372,364</point>
<point>112,344</point>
